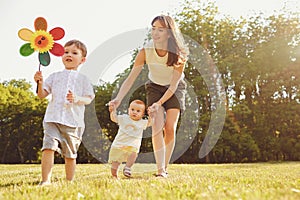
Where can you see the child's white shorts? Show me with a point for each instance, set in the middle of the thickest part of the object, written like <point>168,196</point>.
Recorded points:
<point>63,139</point>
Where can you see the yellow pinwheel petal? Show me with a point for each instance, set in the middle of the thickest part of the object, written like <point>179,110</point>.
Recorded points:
<point>25,34</point>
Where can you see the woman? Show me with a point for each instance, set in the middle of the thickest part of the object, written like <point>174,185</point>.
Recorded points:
<point>165,56</point>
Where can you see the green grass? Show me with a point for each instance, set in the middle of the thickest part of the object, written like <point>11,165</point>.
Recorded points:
<point>185,181</point>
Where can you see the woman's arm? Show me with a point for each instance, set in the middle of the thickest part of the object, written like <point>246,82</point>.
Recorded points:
<point>177,73</point>
<point>127,84</point>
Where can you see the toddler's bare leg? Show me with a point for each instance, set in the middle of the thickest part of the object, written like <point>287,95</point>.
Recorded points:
<point>131,159</point>
<point>114,169</point>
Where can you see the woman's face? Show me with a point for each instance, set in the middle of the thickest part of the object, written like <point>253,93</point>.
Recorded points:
<point>159,32</point>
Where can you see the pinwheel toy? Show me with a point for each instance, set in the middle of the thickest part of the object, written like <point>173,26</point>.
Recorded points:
<point>41,41</point>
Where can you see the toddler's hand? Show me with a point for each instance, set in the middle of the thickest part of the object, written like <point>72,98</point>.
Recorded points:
<point>111,107</point>
<point>115,103</point>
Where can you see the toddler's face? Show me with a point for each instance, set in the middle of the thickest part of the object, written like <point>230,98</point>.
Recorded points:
<point>136,111</point>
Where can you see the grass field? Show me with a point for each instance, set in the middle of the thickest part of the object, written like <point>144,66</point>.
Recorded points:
<point>185,181</point>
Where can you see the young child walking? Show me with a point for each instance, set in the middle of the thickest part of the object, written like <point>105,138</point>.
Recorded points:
<point>127,142</point>
<point>64,118</point>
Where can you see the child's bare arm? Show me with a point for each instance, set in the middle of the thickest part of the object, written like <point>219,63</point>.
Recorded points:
<point>113,113</point>
<point>72,98</point>
<point>149,121</point>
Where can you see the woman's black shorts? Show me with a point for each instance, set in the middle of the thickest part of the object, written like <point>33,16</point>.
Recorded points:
<point>155,92</point>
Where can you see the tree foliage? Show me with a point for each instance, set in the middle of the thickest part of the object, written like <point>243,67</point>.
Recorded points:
<point>258,59</point>
<point>20,122</point>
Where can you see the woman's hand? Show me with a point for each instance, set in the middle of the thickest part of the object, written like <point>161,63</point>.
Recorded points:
<point>114,104</point>
<point>154,108</point>
<point>180,62</point>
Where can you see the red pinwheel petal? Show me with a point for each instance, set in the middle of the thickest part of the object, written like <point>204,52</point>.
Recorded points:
<point>57,50</point>
<point>57,33</point>
<point>40,23</point>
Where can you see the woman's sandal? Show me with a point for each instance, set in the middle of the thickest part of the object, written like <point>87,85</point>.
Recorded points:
<point>162,175</point>
<point>127,172</point>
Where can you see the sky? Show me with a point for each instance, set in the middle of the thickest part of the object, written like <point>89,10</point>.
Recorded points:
<point>94,23</point>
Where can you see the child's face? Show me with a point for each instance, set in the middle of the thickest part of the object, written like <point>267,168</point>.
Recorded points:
<point>72,57</point>
<point>136,111</point>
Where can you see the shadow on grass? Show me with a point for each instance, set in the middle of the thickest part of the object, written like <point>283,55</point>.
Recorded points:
<point>20,183</point>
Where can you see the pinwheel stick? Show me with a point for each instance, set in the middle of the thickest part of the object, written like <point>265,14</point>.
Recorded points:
<point>37,87</point>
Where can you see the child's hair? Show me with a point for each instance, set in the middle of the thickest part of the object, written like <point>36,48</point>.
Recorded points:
<point>137,101</point>
<point>79,45</point>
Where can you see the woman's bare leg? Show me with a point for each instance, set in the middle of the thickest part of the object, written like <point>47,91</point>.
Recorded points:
<point>172,117</point>
<point>158,140</point>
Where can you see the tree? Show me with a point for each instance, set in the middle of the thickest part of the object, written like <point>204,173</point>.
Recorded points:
<point>20,122</point>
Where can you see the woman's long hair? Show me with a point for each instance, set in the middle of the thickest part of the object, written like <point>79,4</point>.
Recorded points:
<point>176,45</point>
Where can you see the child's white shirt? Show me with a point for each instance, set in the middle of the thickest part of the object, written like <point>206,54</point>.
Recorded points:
<point>130,132</point>
<point>59,110</point>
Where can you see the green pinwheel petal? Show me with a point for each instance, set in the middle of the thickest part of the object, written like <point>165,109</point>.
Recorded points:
<point>44,58</point>
<point>26,50</point>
